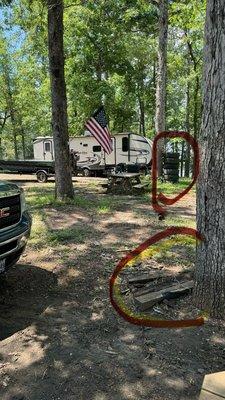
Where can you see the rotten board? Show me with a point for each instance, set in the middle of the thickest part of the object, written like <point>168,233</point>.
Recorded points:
<point>144,278</point>
<point>148,300</point>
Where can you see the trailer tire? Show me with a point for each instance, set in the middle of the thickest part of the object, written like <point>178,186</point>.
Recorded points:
<point>170,171</point>
<point>173,156</point>
<point>86,172</point>
<point>171,178</point>
<point>168,165</point>
<point>143,170</point>
<point>42,176</point>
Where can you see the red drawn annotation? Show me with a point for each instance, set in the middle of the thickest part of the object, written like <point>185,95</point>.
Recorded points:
<point>122,311</point>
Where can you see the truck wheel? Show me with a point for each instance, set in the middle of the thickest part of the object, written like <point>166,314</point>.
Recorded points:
<point>86,172</point>
<point>42,176</point>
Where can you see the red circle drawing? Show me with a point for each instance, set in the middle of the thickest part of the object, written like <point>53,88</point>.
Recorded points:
<point>146,321</point>
<point>161,197</point>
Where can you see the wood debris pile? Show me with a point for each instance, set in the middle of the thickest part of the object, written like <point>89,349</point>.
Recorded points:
<point>152,287</point>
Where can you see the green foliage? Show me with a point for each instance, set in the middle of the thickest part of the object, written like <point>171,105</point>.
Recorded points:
<point>111,54</point>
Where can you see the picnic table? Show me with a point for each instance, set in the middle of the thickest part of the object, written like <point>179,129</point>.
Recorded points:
<point>124,182</point>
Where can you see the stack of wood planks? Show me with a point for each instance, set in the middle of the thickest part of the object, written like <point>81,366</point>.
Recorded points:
<point>153,287</point>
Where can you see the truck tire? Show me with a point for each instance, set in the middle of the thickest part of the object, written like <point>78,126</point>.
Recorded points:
<point>86,172</point>
<point>42,176</point>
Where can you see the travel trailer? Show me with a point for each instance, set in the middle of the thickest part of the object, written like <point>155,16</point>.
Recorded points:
<point>128,148</point>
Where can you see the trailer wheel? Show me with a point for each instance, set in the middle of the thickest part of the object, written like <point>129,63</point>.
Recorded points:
<point>143,170</point>
<point>42,176</point>
<point>86,172</point>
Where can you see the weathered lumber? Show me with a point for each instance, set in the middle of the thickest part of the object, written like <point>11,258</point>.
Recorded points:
<point>144,278</point>
<point>213,387</point>
<point>205,395</point>
<point>148,300</point>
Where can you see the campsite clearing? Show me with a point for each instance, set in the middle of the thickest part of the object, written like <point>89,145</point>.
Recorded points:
<point>59,332</point>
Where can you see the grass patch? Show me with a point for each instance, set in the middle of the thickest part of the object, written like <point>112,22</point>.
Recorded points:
<point>38,198</point>
<point>177,249</point>
<point>173,188</point>
<point>167,188</point>
<point>173,220</point>
<point>64,236</point>
<point>43,236</point>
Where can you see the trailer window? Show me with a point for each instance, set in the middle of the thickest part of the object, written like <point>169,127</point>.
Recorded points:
<point>96,149</point>
<point>47,146</point>
<point>125,144</point>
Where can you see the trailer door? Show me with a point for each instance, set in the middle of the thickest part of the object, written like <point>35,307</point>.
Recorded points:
<point>48,150</point>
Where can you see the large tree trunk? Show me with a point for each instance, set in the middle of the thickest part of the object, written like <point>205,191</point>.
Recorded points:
<point>63,174</point>
<point>210,263</point>
<point>160,116</point>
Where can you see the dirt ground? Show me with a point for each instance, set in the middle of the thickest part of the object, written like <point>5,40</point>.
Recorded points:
<point>60,337</point>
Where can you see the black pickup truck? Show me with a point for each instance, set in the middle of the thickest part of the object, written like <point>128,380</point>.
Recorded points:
<point>15,224</point>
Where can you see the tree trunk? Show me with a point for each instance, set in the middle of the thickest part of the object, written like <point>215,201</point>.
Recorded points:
<point>22,134</point>
<point>182,160</point>
<point>23,142</point>
<point>197,87</point>
<point>209,291</point>
<point>188,150</point>
<point>142,116</point>
<point>195,119</point>
<point>160,117</point>
<point>63,174</point>
<point>3,120</point>
<point>1,152</point>
<point>11,108</point>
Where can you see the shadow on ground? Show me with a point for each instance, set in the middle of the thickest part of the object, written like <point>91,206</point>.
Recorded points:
<point>24,295</point>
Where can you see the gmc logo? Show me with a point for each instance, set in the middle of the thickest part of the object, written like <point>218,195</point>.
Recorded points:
<point>4,212</point>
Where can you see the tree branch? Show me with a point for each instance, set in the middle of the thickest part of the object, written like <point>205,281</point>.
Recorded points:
<point>4,119</point>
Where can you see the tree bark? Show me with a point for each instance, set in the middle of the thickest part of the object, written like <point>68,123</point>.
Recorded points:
<point>63,174</point>
<point>11,107</point>
<point>195,118</point>
<point>188,150</point>
<point>182,160</point>
<point>2,125</point>
<point>23,142</point>
<point>209,291</point>
<point>196,89</point>
<point>160,116</point>
<point>142,115</point>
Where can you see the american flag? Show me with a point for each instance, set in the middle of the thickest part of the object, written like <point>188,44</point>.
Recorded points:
<point>97,126</point>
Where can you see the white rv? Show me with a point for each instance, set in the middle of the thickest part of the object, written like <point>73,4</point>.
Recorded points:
<point>128,148</point>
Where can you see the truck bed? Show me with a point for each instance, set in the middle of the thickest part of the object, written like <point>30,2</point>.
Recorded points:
<point>27,166</point>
